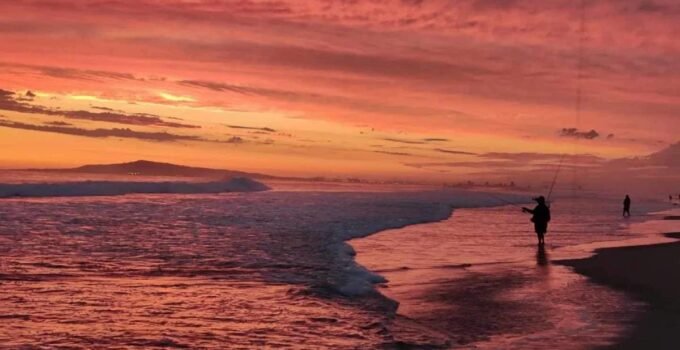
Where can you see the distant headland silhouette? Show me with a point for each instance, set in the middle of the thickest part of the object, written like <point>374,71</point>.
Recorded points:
<point>151,168</point>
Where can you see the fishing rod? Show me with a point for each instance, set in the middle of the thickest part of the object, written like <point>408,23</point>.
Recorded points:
<point>554,181</point>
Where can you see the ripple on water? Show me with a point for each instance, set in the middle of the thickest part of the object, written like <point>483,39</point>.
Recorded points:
<point>192,270</point>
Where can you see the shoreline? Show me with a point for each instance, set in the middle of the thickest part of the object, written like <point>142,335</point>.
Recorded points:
<point>523,274</point>
<point>646,273</point>
<point>361,281</point>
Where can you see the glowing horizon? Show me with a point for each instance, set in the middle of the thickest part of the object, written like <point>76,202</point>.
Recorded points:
<point>414,89</point>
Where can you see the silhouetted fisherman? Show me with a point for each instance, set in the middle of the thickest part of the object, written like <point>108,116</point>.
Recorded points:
<point>626,206</point>
<point>540,218</point>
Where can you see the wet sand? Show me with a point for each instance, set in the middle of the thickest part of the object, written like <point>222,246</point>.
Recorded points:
<point>488,286</point>
<point>648,273</point>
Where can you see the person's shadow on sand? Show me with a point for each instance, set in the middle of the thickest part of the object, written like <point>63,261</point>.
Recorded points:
<point>542,256</point>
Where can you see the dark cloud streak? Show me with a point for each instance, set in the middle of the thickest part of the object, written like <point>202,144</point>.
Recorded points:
<point>58,123</point>
<point>265,129</point>
<point>435,139</point>
<point>73,73</point>
<point>530,157</point>
<point>410,142</point>
<point>576,133</point>
<point>471,164</point>
<point>101,133</point>
<point>441,150</point>
<point>130,119</point>
<point>9,102</point>
<point>395,153</point>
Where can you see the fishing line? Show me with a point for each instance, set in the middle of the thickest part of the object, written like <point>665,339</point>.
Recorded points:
<point>554,181</point>
<point>578,107</point>
<point>501,199</point>
<point>579,98</point>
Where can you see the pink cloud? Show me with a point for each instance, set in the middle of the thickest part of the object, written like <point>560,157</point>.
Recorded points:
<point>457,66</point>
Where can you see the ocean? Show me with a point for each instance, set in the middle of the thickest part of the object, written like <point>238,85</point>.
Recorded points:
<point>273,269</point>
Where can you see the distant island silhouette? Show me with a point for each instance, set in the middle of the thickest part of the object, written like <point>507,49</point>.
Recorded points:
<point>150,168</point>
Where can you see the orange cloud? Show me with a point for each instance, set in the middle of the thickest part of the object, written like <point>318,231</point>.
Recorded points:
<point>475,76</point>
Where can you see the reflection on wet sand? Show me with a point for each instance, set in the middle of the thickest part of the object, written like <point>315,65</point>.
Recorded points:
<point>542,256</point>
<point>493,290</point>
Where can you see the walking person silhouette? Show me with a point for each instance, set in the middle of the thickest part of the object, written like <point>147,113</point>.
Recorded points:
<point>626,206</point>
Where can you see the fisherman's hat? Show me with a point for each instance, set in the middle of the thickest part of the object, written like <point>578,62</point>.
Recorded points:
<point>540,199</point>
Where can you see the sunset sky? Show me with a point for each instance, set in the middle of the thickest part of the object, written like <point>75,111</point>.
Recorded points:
<point>379,88</point>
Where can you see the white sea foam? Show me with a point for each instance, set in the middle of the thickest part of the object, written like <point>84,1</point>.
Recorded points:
<point>355,280</point>
<point>112,188</point>
<point>238,258</point>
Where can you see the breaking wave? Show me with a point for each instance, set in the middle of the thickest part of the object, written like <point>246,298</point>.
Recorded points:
<point>113,188</point>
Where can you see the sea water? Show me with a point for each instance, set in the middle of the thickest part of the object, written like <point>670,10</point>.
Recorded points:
<point>238,270</point>
<point>203,270</point>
